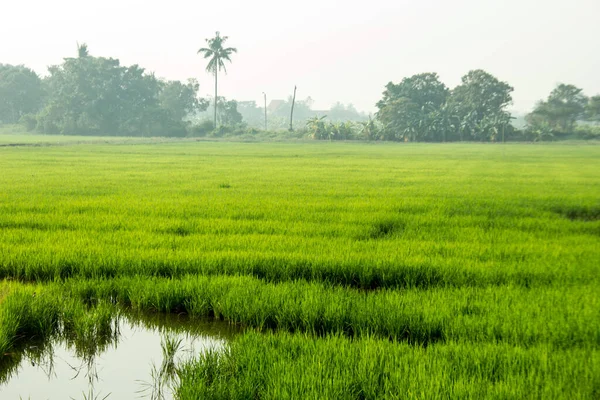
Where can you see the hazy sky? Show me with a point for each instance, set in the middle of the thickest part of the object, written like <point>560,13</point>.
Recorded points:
<point>333,50</point>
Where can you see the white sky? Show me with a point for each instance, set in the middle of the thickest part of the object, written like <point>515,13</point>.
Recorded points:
<point>333,50</point>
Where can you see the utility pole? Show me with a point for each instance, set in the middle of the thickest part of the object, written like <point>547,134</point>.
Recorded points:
<point>292,113</point>
<point>264,94</point>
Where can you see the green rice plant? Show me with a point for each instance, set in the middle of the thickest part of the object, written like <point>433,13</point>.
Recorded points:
<point>402,270</point>
<point>557,317</point>
<point>284,366</point>
<point>317,217</point>
<point>27,313</point>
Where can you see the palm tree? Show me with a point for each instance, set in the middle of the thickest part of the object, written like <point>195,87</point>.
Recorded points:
<point>82,50</point>
<point>218,55</point>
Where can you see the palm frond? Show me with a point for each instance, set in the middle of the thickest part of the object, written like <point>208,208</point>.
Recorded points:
<point>212,65</point>
<point>216,53</point>
<point>222,65</point>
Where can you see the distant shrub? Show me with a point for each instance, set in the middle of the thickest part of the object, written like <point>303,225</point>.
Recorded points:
<point>48,126</point>
<point>587,132</point>
<point>29,121</point>
<point>200,129</point>
<point>174,128</point>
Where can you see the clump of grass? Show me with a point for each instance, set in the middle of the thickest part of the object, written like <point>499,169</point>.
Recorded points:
<point>580,213</point>
<point>181,231</point>
<point>224,186</point>
<point>384,229</point>
<point>27,313</point>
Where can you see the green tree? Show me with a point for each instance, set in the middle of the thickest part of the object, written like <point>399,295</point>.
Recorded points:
<point>90,95</point>
<point>422,89</point>
<point>181,99</point>
<point>564,106</point>
<point>592,110</point>
<point>480,103</point>
<point>228,112</point>
<point>401,119</point>
<point>217,55</point>
<point>20,92</point>
<point>96,95</point>
<point>407,109</point>
<point>445,123</point>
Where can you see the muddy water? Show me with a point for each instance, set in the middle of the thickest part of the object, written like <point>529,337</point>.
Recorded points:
<point>135,362</point>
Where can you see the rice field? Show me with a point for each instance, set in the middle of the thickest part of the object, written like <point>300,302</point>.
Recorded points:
<point>358,271</point>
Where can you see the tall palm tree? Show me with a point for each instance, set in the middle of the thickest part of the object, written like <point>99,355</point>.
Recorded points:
<point>217,55</point>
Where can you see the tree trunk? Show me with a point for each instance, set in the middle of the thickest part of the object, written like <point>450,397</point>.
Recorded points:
<point>292,113</point>
<point>216,98</point>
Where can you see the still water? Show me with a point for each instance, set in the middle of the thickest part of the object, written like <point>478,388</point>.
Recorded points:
<point>136,361</point>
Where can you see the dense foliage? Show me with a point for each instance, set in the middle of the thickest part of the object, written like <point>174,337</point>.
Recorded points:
<point>98,96</point>
<point>421,108</point>
<point>95,95</point>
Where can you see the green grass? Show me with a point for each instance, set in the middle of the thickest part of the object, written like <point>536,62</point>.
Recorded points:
<point>560,317</point>
<point>372,216</point>
<point>472,263</point>
<point>17,136</point>
<point>284,366</point>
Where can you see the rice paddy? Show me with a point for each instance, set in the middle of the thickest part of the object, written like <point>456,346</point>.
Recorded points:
<point>356,270</point>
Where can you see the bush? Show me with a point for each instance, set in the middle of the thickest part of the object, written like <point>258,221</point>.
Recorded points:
<point>587,132</point>
<point>201,129</point>
<point>29,121</point>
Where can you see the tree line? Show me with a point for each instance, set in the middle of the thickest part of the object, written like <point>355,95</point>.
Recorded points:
<point>87,95</point>
<point>422,108</point>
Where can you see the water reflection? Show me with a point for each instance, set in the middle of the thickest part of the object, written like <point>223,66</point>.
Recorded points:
<point>132,356</point>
